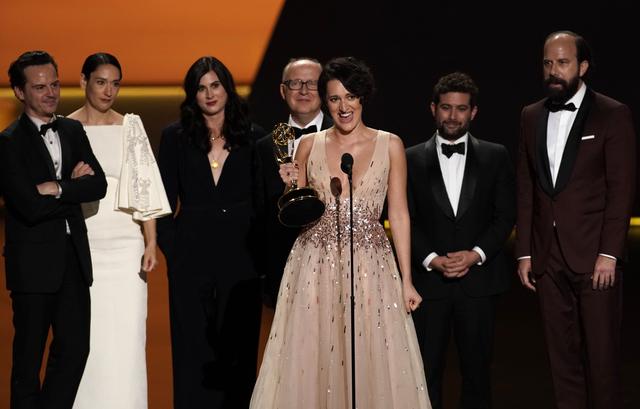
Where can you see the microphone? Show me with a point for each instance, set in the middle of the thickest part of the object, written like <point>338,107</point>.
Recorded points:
<point>347,164</point>
<point>336,187</point>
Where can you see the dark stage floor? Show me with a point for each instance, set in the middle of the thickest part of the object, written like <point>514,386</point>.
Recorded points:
<point>521,377</point>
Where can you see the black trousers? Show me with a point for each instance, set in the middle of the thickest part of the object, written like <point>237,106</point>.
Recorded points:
<point>67,313</point>
<point>214,341</point>
<point>472,321</point>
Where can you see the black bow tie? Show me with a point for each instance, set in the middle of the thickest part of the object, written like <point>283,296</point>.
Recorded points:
<point>299,131</point>
<point>53,125</point>
<point>448,149</point>
<point>555,107</point>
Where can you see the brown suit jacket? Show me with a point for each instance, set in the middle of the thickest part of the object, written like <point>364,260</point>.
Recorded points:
<point>592,200</point>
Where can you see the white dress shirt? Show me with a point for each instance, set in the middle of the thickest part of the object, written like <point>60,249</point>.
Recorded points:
<point>52,142</point>
<point>558,127</point>
<point>452,170</point>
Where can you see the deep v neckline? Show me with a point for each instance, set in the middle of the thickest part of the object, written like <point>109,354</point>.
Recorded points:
<point>366,172</point>
<point>222,168</point>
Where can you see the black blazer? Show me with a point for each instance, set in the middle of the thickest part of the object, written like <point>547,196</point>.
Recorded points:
<point>485,217</point>
<point>35,227</point>
<point>277,239</point>
<point>211,230</point>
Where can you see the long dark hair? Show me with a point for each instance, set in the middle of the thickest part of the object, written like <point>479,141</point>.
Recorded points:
<point>95,60</point>
<point>236,125</point>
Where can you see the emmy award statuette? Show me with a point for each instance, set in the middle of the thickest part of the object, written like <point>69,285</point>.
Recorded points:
<point>298,206</point>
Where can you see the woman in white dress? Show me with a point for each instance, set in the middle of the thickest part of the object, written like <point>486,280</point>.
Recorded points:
<point>122,237</point>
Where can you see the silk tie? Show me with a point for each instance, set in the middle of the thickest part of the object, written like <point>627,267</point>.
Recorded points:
<point>448,149</point>
<point>53,125</point>
<point>555,107</point>
<point>300,131</point>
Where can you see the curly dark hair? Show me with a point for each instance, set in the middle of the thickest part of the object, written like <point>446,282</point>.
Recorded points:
<point>236,125</point>
<point>456,82</point>
<point>354,75</point>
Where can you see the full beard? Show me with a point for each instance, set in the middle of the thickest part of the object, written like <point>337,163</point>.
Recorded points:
<point>566,90</point>
<point>452,136</point>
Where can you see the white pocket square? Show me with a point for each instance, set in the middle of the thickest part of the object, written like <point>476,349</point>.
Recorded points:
<point>584,138</point>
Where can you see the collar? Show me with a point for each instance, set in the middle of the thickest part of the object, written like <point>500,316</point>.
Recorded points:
<point>317,121</point>
<point>440,140</point>
<point>578,97</point>
<point>38,122</point>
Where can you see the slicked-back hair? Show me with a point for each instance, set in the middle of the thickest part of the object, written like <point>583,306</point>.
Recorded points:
<point>92,62</point>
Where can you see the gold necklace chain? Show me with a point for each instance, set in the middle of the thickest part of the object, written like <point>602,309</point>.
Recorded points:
<point>215,164</point>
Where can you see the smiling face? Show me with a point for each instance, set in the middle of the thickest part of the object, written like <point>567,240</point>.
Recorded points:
<point>302,102</point>
<point>561,70</point>
<point>211,96</point>
<point>453,114</point>
<point>41,92</point>
<point>102,87</point>
<point>345,108</point>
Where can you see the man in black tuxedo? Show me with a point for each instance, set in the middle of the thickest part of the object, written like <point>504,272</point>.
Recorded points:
<point>47,169</point>
<point>461,194</point>
<point>299,89</point>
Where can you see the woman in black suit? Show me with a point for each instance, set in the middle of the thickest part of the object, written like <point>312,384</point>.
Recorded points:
<point>208,167</point>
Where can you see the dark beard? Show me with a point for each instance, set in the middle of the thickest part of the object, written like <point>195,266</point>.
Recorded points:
<point>442,130</point>
<point>563,94</point>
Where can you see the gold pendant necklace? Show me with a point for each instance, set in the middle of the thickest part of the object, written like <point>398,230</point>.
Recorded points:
<point>214,162</point>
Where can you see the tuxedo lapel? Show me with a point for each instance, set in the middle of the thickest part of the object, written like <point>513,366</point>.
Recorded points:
<point>470,178</point>
<point>573,143</point>
<point>543,169</point>
<point>36,142</point>
<point>434,176</point>
<point>65,147</point>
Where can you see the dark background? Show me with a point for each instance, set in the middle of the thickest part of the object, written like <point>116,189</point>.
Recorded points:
<point>409,45</point>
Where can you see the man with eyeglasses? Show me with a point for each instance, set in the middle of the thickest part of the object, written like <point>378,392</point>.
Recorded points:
<point>299,89</point>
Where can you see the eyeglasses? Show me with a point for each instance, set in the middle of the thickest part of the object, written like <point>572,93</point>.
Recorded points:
<point>294,85</point>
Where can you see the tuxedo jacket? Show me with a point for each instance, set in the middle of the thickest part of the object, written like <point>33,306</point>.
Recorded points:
<point>35,228</point>
<point>592,199</point>
<point>277,238</point>
<point>485,216</point>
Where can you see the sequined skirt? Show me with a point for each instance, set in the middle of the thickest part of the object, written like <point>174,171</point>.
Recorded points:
<point>307,362</point>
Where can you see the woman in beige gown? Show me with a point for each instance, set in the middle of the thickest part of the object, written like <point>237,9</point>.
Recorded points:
<point>307,361</point>
<point>122,238</point>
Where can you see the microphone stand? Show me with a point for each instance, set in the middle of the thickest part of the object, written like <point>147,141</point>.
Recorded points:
<point>353,299</point>
<point>346,166</point>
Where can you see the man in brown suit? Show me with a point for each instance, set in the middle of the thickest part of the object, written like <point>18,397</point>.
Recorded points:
<point>576,179</point>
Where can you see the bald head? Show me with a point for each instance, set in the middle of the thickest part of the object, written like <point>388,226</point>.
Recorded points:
<point>303,102</point>
<point>295,63</point>
<point>583,51</point>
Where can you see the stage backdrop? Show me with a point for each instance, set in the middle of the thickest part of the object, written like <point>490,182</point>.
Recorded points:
<point>156,40</point>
